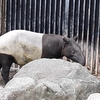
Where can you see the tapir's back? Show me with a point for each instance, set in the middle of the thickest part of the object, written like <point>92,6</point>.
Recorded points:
<point>22,44</point>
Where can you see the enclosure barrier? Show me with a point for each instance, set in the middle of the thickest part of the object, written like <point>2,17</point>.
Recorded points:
<point>63,17</point>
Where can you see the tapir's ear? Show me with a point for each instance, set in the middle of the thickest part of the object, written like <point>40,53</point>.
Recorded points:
<point>66,39</point>
<point>76,37</point>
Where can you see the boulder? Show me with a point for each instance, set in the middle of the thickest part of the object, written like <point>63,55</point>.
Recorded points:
<point>51,79</point>
<point>1,87</point>
<point>94,96</point>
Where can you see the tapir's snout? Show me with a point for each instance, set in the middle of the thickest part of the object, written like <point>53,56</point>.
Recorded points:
<point>82,62</point>
<point>81,59</point>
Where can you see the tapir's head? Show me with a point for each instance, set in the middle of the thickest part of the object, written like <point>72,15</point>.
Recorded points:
<point>72,50</point>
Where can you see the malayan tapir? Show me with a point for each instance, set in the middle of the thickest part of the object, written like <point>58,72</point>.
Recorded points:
<point>21,47</point>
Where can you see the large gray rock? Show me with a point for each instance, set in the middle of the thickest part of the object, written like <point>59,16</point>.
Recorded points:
<point>51,79</point>
<point>94,96</point>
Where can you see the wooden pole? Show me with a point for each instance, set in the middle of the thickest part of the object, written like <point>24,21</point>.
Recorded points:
<point>3,17</point>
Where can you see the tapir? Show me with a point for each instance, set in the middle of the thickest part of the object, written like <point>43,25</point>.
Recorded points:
<point>22,46</point>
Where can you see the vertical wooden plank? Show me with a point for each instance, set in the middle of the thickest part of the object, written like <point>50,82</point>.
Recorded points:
<point>49,30</point>
<point>30,7</point>
<point>81,18</point>
<point>96,21</point>
<point>13,15</point>
<point>37,15</point>
<point>28,15</point>
<point>96,34</point>
<point>43,16</point>
<point>91,20</point>
<point>57,16</point>
<point>76,13</point>
<point>66,17</point>
<point>86,29</point>
<point>40,15</point>
<point>54,17</point>
<point>33,15</point>
<point>86,18</point>
<point>8,16</point>
<point>18,14</point>
<point>78,17</point>
<point>23,14</point>
<point>63,19</point>
<point>58,22</point>
<point>82,26</point>
<point>2,16</point>
<point>5,14</point>
<point>25,2</point>
<point>59,26</point>
<point>48,17</point>
<point>70,18</point>
<point>91,33</point>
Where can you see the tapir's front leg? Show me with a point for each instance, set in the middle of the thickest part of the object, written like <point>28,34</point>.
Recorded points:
<point>5,73</point>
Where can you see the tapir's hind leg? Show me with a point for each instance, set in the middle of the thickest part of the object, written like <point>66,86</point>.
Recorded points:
<point>6,61</point>
<point>5,73</point>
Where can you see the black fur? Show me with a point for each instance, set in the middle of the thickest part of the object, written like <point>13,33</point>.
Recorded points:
<point>5,63</point>
<point>52,46</point>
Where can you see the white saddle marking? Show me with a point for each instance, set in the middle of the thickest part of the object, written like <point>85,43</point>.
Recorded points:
<point>23,45</point>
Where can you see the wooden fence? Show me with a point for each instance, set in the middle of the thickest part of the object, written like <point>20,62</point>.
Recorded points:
<point>64,17</point>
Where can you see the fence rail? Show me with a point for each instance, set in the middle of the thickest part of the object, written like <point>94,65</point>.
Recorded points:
<point>63,17</point>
